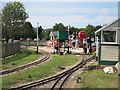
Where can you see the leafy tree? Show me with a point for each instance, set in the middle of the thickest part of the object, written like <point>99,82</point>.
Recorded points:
<point>90,30</point>
<point>46,34</point>
<point>59,27</point>
<point>28,31</point>
<point>13,19</point>
<point>74,30</point>
<point>98,27</point>
<point>40,30</point>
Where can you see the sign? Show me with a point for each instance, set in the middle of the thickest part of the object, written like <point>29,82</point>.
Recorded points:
<point>92,39</point>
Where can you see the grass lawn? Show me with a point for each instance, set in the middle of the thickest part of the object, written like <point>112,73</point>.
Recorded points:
<point>98,79</point>
<point>42,71</point>
<point>26,56</point>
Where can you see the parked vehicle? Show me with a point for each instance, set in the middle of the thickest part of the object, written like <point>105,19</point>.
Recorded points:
<point>35,39</point>
<point>44,39</point>
<point>3,39</point>
<point>29,39</point>
<point>22,39</point>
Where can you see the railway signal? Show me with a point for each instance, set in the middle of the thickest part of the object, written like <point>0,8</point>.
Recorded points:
<point>37,37</point>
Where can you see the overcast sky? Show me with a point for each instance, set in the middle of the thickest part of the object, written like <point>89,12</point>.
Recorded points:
<point>77,14</point>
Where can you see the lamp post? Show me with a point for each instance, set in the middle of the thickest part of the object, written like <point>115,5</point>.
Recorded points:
<point>37,37</point>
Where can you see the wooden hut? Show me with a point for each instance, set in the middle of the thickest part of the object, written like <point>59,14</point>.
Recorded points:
<point>53,36</point>
<point>108,50</point>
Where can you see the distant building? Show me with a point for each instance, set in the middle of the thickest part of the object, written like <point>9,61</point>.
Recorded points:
<point>53,36</point>
<point>108,49</point>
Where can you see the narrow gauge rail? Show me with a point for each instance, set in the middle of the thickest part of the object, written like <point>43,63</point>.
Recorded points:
<point>68,74</point>
<point>45,58</point>
<point>54,77</point>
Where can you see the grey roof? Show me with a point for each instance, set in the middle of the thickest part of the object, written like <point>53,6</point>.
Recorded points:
<point>106,26</point>
<point>53,33</point>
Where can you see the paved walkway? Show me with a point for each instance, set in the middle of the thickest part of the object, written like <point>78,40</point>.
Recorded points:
<point>51,49</point>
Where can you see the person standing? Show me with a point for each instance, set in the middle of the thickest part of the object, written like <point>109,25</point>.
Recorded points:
<point>88,44</point>
<point>76,44</point>
<point>84,45</point>
<point>84,42</point>
<point>73,43</point>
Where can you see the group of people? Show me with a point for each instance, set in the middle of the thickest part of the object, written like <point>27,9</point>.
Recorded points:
<point>88,46</point>
<point>86,42</point>
<point>74,42</point>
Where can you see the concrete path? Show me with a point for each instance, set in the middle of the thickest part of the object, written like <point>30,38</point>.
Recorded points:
<point>51,49</point>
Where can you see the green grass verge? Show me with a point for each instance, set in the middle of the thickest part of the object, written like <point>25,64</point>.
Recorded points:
<point>47,69</point>
<point>26,56</point>
<point>98,79</point>
<point>89,54</point>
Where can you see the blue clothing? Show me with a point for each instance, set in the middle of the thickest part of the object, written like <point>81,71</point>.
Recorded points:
<point>88,45</point>
<point>84,45</point>
<point>84,42</point>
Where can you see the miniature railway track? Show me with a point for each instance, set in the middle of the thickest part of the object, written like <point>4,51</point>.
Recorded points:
<point>57,77</point>
<point>68,74</point>
<point>45,58</point>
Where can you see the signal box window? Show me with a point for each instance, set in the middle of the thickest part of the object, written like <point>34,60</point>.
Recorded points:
<point>109,37</point>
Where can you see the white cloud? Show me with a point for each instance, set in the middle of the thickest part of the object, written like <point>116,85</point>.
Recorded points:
<point>72,10</point>
<point>78,17</point>
<point>60,11</point>
<point>69,16</point>
<point>77,21</point>
<point>62,0</point>
<point>108,11</point>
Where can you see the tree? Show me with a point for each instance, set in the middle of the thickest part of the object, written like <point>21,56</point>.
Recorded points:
<point>90,30</point>
<point>73,29</point>
<point>98,27</point>
<point>40,35</point>
<point>28,31</point>
<point>46,33</point>
<point>59,27</point>
<point>13,19</point>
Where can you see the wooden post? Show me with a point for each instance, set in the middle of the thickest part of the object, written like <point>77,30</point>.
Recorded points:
<point>59,46</point>
<point>97,48</point>
<point>99,59</point>
<point>119,30</point>
<point>119,54</point>
<point>64,45</point>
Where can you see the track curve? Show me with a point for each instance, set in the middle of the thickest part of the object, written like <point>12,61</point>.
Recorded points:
<point>45,58</point>
<point>54,77</point>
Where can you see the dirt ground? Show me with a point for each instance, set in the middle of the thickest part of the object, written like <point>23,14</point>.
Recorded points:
<point>51,49</point>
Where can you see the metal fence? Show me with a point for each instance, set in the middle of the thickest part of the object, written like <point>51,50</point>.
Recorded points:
<point>33,43</point>
<point>9,49</point>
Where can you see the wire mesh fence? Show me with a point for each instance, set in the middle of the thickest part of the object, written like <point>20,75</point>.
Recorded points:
<point>33,43</point>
